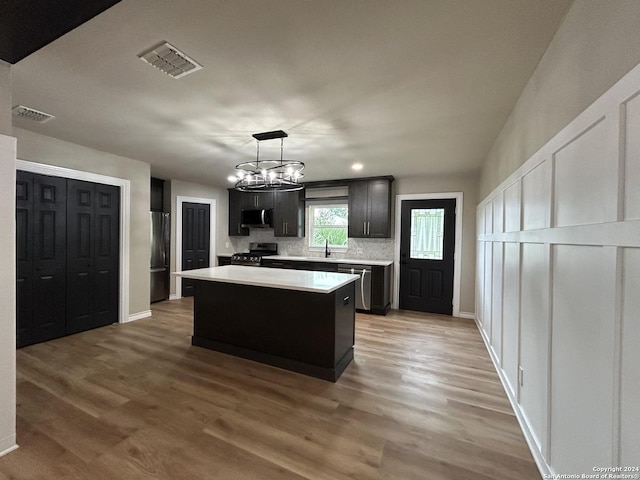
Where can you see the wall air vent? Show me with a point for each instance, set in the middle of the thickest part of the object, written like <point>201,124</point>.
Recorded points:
<point>20,111</point>
<point>170,60</point>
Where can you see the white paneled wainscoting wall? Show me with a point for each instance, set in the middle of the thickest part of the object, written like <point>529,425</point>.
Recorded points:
<point>558,288</point>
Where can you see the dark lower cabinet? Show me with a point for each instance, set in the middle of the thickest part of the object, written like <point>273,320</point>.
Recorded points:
<point>67,256</point>
<point>223,260</point>
<point>381,278</point>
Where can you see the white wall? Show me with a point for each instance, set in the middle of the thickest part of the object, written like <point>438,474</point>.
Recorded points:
<point>7,268</point>
<point>597,43</point>
<point>560,300</point>
<point>51,151</point>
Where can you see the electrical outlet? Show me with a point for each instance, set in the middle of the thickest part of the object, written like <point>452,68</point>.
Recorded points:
<point>226,244</point>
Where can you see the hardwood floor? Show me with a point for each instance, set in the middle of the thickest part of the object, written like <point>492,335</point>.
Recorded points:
<point>136,401</point>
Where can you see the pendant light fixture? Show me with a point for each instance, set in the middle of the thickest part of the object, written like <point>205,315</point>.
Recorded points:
<point>269,175</point>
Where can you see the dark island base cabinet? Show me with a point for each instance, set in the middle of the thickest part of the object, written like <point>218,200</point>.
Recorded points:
<point>309,333</point>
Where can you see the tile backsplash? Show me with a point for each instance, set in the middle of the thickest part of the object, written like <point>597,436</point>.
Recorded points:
<point>359,248</point>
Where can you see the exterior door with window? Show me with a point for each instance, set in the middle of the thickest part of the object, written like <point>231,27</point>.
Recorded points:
<point>427,245</point>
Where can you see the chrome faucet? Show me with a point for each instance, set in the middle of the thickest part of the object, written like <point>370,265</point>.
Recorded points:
<point>326,248</point>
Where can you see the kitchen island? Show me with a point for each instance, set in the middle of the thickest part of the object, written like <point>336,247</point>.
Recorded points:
<point>294,319</point>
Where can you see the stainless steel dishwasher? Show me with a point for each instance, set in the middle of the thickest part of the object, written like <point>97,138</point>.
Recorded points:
<point>363,284</point>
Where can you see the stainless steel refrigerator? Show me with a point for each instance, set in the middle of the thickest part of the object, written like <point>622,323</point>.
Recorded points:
<point>160,234</point>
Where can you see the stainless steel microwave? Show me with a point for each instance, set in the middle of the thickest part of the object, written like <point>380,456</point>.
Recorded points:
<point>257,218</point>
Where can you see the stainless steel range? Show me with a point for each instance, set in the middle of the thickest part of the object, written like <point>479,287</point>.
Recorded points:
<point>256,252</point>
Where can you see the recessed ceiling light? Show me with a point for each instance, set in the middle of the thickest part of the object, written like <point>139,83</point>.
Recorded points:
<point>356,166</point>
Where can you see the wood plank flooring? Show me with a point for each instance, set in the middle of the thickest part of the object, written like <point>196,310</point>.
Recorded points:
<point>136,401</point>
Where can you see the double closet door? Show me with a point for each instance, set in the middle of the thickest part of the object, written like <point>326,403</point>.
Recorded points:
<point>67,256</point>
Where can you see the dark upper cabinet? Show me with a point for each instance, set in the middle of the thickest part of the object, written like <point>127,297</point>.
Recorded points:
<point>157,195</point>
<point>236,200</point>
<point>370,208</point>
<point>256,200</point>
<point>288,214</point>
<point>288,211</point>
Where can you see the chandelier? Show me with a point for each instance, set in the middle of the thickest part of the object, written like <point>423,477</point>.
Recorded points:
<point>269,175</point>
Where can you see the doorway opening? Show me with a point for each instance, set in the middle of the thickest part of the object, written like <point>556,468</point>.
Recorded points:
<point>422,283</point>
<point>180,201</point>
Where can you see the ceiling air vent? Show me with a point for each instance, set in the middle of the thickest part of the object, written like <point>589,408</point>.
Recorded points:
<point>20,111</point>
<point>170,60</point>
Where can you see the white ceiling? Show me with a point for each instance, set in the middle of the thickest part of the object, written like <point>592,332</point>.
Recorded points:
<point>406,87</point>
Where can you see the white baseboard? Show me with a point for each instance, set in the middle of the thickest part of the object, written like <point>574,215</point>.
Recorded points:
<point>173,296</point>
<point>545,471</point>
<point>469,315</point>
<point>8,444</point>
<point>139,315</point>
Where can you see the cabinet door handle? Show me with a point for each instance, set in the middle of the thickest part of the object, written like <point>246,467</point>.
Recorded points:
<point>364,228</point>
<point>368,228</point>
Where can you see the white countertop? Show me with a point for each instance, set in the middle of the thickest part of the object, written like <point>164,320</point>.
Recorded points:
<point>355,261</point>
<point>302,280</point>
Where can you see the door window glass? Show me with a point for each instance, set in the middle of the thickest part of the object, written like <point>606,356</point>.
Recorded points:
<point>427,233</point>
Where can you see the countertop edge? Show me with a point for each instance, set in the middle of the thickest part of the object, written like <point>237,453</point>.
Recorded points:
<point>194,275</point>
<point>354,261</point>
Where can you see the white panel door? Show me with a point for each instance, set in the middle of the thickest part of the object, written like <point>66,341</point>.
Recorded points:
<point>510,314</point>
<point>534,336</point>
<point>630,369</point>
<point>582,354</point>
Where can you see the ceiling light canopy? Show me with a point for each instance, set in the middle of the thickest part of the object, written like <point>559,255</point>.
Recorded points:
<point>269,175</point>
